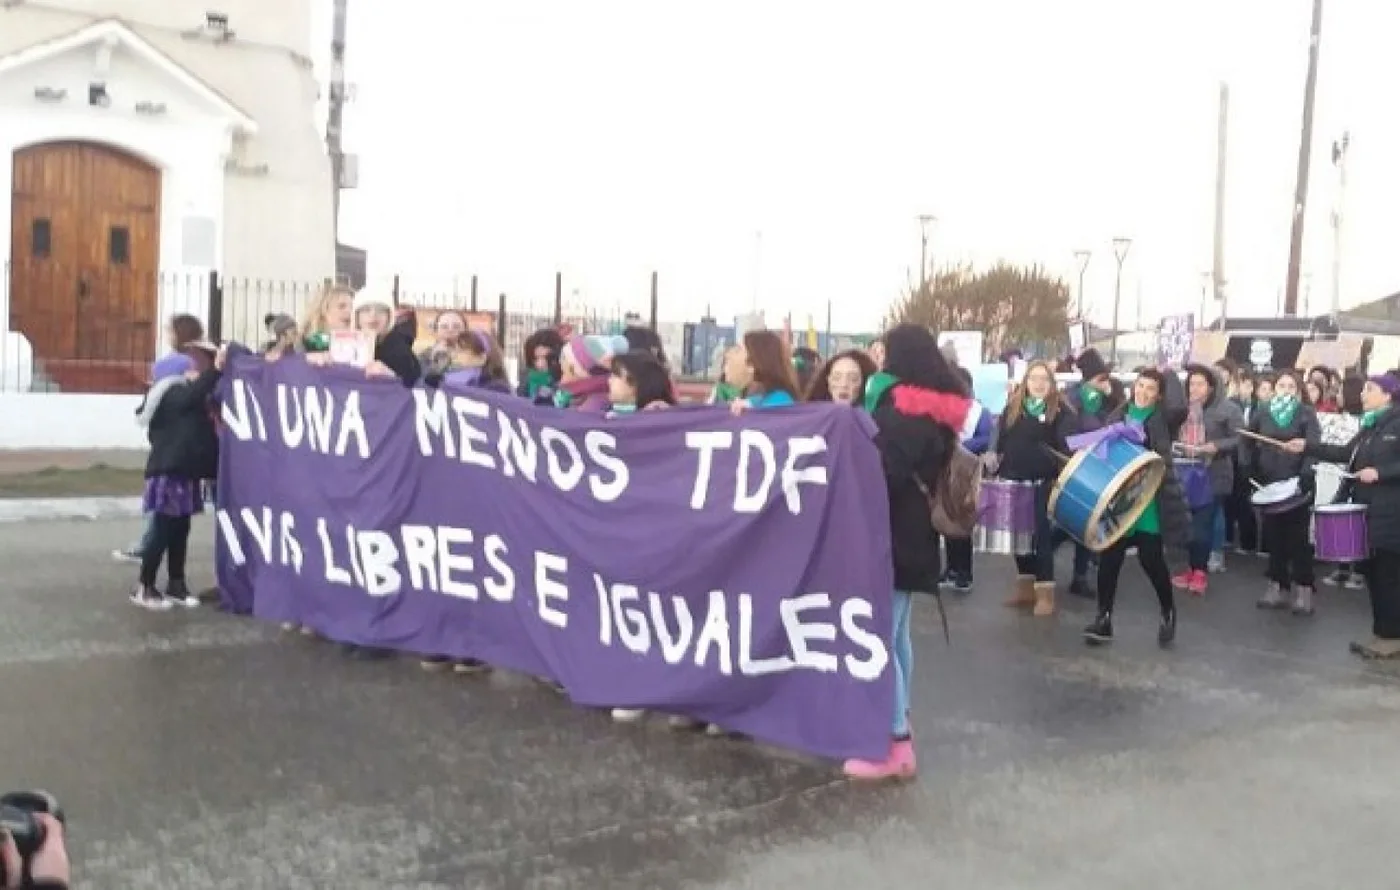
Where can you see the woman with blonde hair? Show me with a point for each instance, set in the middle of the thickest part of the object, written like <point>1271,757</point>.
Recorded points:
<point>1032,431</point>
<point>332,310</point>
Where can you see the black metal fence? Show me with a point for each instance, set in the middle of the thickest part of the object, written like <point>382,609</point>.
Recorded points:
<point>98,331</point>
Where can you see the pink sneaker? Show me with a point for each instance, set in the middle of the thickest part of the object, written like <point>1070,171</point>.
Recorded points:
<point>1183,580</point>
<point>1197,584</point>
<point>900,764</point>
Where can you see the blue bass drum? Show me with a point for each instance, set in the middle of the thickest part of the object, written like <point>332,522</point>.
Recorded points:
<point>1103,490</point>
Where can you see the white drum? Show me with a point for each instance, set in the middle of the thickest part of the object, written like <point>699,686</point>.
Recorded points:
<point>1329,478</point>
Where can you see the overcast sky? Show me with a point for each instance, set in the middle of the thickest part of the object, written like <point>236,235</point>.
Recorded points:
<point>610,138</point>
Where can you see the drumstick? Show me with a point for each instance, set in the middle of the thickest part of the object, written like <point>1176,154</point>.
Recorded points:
<point>1277,443</point>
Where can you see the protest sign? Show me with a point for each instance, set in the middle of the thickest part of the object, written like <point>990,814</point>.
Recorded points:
<point>736,570</point>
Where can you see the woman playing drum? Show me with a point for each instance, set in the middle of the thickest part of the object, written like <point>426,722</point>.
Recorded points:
<point>1208,440</point>
<point>1157,405</point>
<point>1032,429</point>
<point>1374,456</point>
<point>1286,417</point>
<point>1092,399</point>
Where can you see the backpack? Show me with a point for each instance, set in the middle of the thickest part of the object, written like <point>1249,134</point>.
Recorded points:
<point>954,507</point>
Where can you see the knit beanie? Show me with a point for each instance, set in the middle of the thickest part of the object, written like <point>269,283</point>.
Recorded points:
<point>592,351</point>
<point>1091,364</point>
<point>173,365</point>
<point>366,297</point>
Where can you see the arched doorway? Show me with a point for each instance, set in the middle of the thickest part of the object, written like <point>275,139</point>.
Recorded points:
<point>84,252</point>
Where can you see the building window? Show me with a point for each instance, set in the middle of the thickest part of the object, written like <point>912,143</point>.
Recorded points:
<point>119,246</point>
<point>41,239</point>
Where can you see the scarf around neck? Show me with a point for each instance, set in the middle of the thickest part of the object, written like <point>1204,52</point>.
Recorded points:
<point>1282,409</point>
<point>1090,399</point>
<point>580,390</point>
<point>1034,407</point>
<point>1370,418</point>
<point>879,383</point>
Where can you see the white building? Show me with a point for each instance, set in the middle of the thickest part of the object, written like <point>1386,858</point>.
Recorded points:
<point>142,147</point>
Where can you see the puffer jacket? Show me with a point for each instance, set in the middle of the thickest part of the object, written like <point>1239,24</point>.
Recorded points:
<point>1222,421</point>
<point>917,432</point>
<point>1161,431</point>
<point>1272,464</point>
<point>1378,448</point>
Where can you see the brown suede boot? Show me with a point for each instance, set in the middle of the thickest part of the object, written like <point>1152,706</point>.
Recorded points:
<point>1044,598</point>
<point>1024,594</point>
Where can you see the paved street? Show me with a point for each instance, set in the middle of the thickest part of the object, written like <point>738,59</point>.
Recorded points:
<point>196,750</point>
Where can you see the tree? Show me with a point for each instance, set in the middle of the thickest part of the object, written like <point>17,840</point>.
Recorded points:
<point>1014,306</point>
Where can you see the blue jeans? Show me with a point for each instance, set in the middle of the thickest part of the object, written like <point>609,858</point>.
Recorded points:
<point>903,645</point>
<point>1205,523</point>
<point>148,535</point>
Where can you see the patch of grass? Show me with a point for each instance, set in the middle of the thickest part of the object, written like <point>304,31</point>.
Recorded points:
<point>99,480</point>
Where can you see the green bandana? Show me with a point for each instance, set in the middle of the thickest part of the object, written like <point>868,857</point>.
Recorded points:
<point>562,399</point>
<point>876,387</point>
<point>1140,414</point>
<point>1090,398</point>
<point>1150,522</point>
<point>1034,407</point>
<point>320,341</point>
<point>725,393</point>
<point>536,381</point>
<point>1369,419</point>
<point>1282,409</point>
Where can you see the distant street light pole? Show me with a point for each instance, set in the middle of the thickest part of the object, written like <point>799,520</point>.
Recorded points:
<point>1082,257</point>
<point>926,222</point>
<point>1120,253</point>
<point>1300,194</point>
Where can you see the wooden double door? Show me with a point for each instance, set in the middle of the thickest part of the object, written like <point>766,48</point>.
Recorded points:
<point>84,252</point>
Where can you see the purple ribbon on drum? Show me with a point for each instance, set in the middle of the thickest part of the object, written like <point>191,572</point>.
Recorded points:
<point>1100,439</point>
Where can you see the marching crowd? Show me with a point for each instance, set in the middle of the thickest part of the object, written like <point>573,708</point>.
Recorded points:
<point>1223,433</point>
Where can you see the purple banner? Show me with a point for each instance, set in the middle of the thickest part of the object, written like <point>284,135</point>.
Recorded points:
<point>735,570</point>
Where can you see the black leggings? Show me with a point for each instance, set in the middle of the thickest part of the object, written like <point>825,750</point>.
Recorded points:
<point>172,535</point>
<point>1290,552</point>
<point>1154,563</point>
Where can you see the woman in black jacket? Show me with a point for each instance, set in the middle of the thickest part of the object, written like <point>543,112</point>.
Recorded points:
<point>1158,404</point>
<point>1374,456</point>
<point>919,406</point>
<point>184,452</point>
<point>1029,439</point>
<point>1284,418</point>
<point>393,340</point>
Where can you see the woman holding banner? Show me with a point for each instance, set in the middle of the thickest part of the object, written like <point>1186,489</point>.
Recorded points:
<point>331,311</point>
<point>539,366</point>
<point>919,407</point>
<point>760,367</point>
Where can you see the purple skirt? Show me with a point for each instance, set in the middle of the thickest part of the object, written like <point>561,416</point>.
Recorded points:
<point>172,496</point>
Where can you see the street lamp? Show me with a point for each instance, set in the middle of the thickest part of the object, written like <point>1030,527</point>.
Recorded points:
<point>1082,257</point>
<point>926,222</point>
<point>1120,253</point>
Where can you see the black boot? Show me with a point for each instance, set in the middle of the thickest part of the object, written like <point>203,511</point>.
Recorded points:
<point>1166,634</point>
<point>1101,631</point>
<point>1082,588</point>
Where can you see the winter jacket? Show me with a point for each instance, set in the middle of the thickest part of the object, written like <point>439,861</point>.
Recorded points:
<point>917,432</point>
<point>1027,446</point>
<point>1222,420</point>
<point>1272,464</point>
<point>1161,430</point>
<point>395,350</point>
<point>184,443</point>
<point>1086,422</point>
<point>977,429</point>
<point>1378,448</point>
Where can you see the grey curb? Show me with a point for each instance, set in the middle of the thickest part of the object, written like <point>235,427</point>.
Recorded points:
<point>30,509</point>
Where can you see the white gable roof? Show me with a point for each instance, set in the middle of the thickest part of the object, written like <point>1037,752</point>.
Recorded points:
<point>113,30</point>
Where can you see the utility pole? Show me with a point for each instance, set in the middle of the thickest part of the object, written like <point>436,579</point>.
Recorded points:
<point>926,222</point>
<point>1221,142</point>
<point>336,110</point>
<point>1300,193</point>
<point>1339,160</point>
<point>1120,253</point>
<point>1081,257</point>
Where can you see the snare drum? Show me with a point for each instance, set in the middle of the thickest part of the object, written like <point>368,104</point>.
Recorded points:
<point>1339,531</point>
<point>1280,497</point>
<point>1097,499</point>
<point>1005,518</point>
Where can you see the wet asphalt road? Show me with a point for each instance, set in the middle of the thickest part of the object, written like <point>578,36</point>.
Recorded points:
<point>195,750</point>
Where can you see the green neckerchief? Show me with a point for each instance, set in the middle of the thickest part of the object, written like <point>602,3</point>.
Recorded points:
<point>725,393</point>
<point>1090,399</point>
<point>1140,414</point>
<point>537,380</point>
<point>624,409</point>
<point>562,398</point>
<point>317,341</point>
<point>1282,409</point>
<point>879,383</point>
<point>1369,419</point>
<point>1034,407</point>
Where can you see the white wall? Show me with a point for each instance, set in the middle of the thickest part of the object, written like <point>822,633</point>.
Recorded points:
<point>69,421</point>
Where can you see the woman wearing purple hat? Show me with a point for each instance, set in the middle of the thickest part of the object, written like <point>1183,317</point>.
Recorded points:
<point>1374,457</point>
